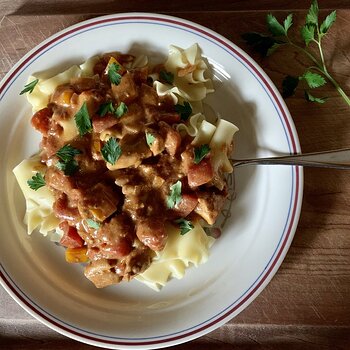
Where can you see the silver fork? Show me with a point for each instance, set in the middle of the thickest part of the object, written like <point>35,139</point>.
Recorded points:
<point>336,159</point>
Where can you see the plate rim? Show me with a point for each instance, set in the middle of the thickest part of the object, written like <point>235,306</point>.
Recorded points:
<point>5,84</point>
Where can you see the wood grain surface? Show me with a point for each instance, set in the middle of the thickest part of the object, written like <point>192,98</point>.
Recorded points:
<point>307,304</point>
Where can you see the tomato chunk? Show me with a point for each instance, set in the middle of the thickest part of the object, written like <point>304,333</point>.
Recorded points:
<point>200,174</point>
<point>41,120</point>
<point>187,204</point>
<point>70,238</point>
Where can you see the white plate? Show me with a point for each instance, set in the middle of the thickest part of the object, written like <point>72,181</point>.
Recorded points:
<point>264,214</point>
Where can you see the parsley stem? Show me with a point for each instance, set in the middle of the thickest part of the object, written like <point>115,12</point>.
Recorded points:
<point>321,67</point>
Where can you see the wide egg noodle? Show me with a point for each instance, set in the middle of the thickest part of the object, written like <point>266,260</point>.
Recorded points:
<point>180,252</point>
<point>39,214</point>
<point>220,143</point>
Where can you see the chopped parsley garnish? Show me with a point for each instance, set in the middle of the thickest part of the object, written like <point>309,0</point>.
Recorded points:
<point>105,108</point>
<point>93,224</point>
<point>200,152</point>
<point>109,108</point>
<point>67,152</point>
<point>82,120</point>
<point>184,110</point>
<point>174,197</point>
<point>168,77</point>
<point>67,163</point>
<point>36,182</point>
<point>121,109</point>
<point>111,151</point>
<point>29,87</point>
<point>113,75</point>
<point>69,167</point>
<point>149,139</point>
<point>185,226</point>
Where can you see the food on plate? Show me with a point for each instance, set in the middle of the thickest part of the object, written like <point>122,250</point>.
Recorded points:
<point>130,173</point>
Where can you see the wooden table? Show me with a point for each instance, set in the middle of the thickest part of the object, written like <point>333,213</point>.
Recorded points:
<point>307,304</point>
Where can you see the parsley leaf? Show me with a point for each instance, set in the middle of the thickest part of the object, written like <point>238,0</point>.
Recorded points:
<point>314,80</point>
<point>150,139</point>
<point>312,16</point>
<point>308,33</point>
<point>82,120</point>
<point>93,224</point>
<point>69,167</point>
<point>274,26</point>
<point>327,23</point>
<point>121,109</point>
<point>287,23</point>
<point>111,151</point>
<point>105,108</point>
<point>36,182</point>
<point>67,152</point>
<point>185,226</point>
<point>311,98</point>
<point>263,44</point>
<point>289,85</point>
<point>184,110</point>
<point>168,77</point>
<point>29,87</point>
<point>174,198</point>
<point>113,75</point>
<point>200,152</point>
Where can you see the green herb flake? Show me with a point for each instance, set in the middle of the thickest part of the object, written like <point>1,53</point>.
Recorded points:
<point>150,139</point>
<point>174,198</point>
<point>168,77</point>
<point>105,108</point>
<point>184,110</point>
<point>328,22</point>
<point>314,80</point>
<point>93,224</point>
<point>200,152</point>
<point>274,26</point>
<point>29,87</point>
<point>36,182</point>
<point>308,33</point>
<point>82,120</point>
<point>312,16</point>
<point>111,151</point>
<point>69,168</point>
<point>185,226</point>
<point>67,152</point>
<point>311,98</point>
<point>113,75</point>
<point>121,110</point>
<point>288,22</point>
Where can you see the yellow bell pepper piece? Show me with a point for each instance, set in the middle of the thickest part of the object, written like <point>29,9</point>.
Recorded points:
<point>76,255</point>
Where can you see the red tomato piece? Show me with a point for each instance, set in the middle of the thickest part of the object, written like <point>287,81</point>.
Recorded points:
<point>200,174</point>
<point>187,204</point>
<point>70,238</point>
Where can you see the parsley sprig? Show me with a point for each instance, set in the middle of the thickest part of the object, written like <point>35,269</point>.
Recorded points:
<point>111,151</point>
<point>109,108</point>
<point>29,87</point>
<point>150,139</point>
<point>83,121</point>
<point>167,77</point>
<point>312,33</point>
<point>37,181</point>
<point>185,226</point>
<point>184,110</point>
<point>113,75</point>
<point>174,197</point>
<point>200,152</point>
<point>93,224</point>
<point>67,163</point>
